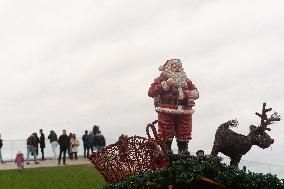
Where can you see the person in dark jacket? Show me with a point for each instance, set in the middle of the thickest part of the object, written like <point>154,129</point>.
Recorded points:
<point>85,143</point>
<point>99,141</point>
<point>95,129</point>
<point>31,147</point>
<point>64,143</point>
<point>36,147</point>
<point>90,143</point>
<point>1,145</point>
<point>42,143</point>
<point>54,142</point>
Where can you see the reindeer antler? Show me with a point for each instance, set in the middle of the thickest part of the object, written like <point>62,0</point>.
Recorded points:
<point>265,121</point>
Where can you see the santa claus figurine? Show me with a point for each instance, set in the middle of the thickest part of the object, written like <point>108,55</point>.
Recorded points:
<point>174,96</point>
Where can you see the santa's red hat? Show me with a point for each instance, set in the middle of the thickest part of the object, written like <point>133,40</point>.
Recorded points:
<point>169,62</point>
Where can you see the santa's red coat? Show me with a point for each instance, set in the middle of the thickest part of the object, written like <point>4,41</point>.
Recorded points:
<point>170,125</point>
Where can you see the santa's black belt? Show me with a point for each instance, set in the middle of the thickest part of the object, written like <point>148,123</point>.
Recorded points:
<point>173,101</point>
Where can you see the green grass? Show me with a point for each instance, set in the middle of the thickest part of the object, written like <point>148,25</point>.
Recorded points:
<point>63,177</point>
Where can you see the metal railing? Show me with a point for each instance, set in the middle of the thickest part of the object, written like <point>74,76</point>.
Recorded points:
<point>11,147</point>
<point>254,166</point>
<point>258,167</point>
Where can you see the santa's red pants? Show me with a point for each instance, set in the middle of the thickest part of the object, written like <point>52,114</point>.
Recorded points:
<point>177,125</point>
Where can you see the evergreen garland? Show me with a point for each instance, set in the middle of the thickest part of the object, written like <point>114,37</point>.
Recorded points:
<point>188,170</point>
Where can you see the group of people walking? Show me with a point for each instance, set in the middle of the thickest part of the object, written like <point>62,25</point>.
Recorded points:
<point>93,140</point>
<point>32,147</point>
<point>33,144</point>
<point>67,144</point>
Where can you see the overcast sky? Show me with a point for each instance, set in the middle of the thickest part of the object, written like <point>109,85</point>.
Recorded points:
<point>72,64</point>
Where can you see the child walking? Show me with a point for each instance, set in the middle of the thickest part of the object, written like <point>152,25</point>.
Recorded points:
<point>19,160</point>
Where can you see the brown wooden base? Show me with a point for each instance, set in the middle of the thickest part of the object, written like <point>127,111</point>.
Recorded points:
<point>205,183</point>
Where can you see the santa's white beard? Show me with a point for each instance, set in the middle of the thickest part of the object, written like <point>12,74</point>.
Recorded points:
<point>179,79</point>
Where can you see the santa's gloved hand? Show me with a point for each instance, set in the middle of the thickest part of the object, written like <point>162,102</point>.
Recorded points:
<point>193,94</point>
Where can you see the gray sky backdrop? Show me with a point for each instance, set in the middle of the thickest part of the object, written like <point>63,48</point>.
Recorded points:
<point>72,64</point>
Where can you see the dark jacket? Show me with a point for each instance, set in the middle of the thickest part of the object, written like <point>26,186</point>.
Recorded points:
<point>91,139</point>
<point>42,141</point>
<point>1,143</point>
<point>32,141</point>
<point>64,142</point>
<point>37,141</point>
<point>52,137</point>
<point>99,140</point>
<point>84,138</point>
<point>102,141</point>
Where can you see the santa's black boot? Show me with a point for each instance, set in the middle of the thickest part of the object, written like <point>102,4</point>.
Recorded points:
<point>168,144</point>
<point>183,148</point>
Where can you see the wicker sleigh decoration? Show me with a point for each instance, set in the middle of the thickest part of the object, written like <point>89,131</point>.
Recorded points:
<point>131,155</point>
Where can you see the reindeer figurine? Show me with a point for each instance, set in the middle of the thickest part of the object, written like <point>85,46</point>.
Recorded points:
<point>236,145</point>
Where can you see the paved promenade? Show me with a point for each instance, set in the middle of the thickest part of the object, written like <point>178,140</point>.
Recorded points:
<point>46,163</point>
